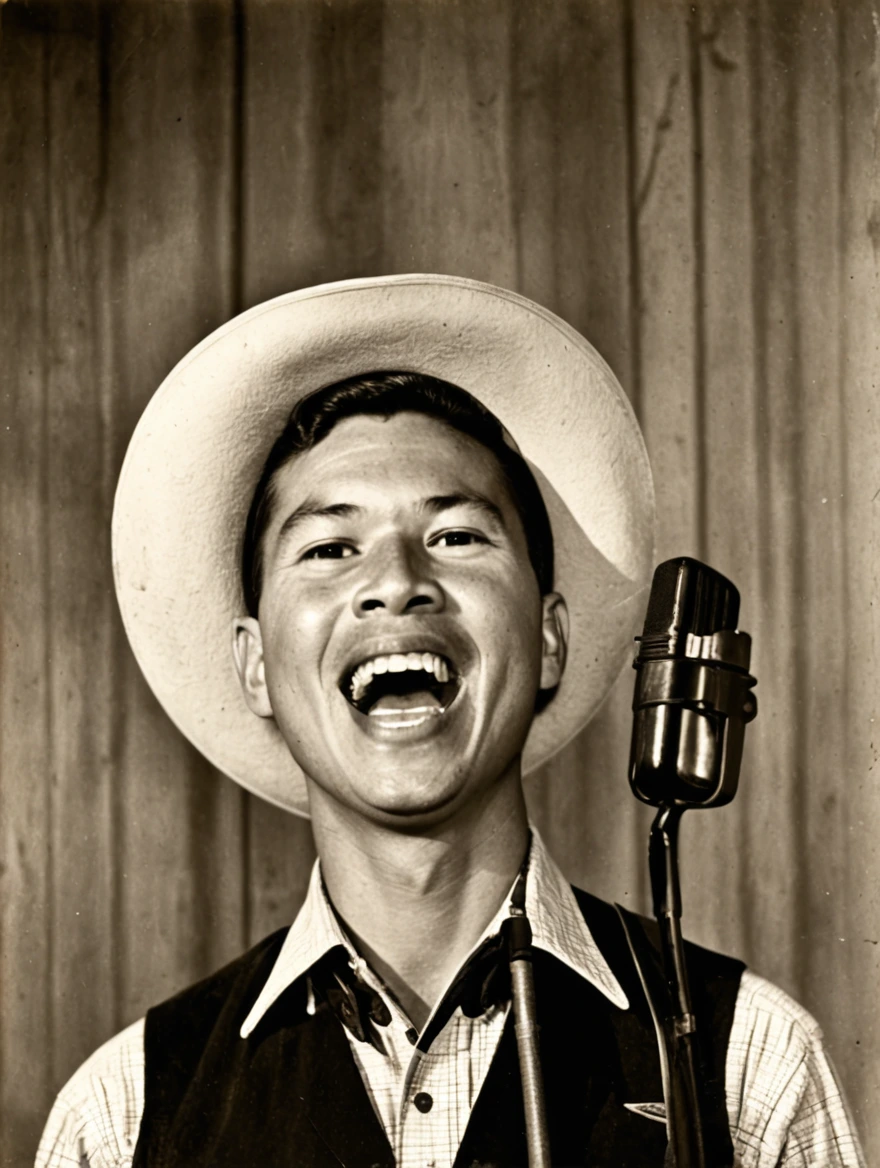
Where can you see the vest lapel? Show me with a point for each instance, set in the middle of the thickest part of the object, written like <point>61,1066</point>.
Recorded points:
<point>290,1094</point>
<point>585,1085</point>
<point>337,1106</point>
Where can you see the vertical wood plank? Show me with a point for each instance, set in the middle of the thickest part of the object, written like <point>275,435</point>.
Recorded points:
<point>568,128</point>
<point>312,161</point>
<point>822,629</point>
<point>778,338</point>
<point>799,499</point>
<point>667,304</point>
<point>535,132</point>
<point>170,199</point>
<point>857,1046</point>
<point>447,200</point>
<point>78,506</point>
<point>568,161</point>
<point>26,755</point>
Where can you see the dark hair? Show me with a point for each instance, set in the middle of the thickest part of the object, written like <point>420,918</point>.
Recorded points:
<point>384,394</point>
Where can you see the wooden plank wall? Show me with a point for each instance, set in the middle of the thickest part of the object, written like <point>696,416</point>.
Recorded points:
<point>696,188</point>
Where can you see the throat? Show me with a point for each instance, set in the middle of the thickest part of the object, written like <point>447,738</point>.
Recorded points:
<point>407,985</point>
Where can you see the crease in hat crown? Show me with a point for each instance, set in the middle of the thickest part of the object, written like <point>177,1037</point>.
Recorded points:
<point>194,458</point>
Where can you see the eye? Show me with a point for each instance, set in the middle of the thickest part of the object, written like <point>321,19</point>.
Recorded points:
<point>457,538</point>
<point>331,550</point>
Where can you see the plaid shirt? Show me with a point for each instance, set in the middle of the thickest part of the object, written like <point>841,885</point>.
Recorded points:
<point>783,1099</point>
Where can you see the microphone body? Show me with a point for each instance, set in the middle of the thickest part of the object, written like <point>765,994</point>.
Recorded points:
<point>693,695</point>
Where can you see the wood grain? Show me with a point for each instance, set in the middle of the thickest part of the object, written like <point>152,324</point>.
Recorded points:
<point>820,507</point>
<point>664,236</point>
<point>446,190</point>
<point>26,750</point>
<point>781,862</point>
<point>312,161</point>
<point>857,1039</point>
<point>83,629</point>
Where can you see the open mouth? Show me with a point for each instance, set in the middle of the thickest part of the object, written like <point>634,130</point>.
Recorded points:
<point>402,689</point>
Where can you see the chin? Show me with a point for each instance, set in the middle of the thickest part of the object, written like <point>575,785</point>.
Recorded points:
<point>404,800</point>
<point>411,802</point>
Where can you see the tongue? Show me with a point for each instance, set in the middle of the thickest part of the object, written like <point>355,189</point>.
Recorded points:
<point>410,701</point>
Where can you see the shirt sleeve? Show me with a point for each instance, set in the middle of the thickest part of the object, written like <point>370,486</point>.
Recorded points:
<point>96,1118</point>
<point>785,1103</point>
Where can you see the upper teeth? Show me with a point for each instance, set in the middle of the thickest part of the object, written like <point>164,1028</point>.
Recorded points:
<point>396,663</point>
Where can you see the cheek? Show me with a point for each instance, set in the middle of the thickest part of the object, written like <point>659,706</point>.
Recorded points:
<point>298,633</point>
<point>511,624</point>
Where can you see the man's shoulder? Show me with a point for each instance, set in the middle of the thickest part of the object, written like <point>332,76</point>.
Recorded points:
<point>782,1090</point>
<point>96,1116</point>
<point>770,1026</point>
<point>120,1058</point>
<point>767,1018</point>
<point>775,1046</point>
<point>220,1001</point>
<point>769,1000</point>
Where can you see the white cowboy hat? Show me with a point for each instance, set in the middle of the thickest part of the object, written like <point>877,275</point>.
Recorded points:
<point>197,452</point>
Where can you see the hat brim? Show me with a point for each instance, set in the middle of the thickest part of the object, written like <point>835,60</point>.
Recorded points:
<point>198,450</point>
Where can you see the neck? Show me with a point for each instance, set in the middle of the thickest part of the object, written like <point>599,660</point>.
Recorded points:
<point>415,903</point>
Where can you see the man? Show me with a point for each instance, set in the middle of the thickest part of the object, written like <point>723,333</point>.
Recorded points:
<point>420,614</point>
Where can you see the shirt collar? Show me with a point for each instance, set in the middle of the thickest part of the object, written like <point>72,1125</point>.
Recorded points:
<point>558,927</point>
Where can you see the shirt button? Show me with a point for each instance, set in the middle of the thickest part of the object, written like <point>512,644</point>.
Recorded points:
<point>423,1101</point>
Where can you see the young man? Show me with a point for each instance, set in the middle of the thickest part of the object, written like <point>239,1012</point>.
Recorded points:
<point>420,615</point>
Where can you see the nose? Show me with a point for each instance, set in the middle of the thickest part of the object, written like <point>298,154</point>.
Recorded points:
<point>399,581</point>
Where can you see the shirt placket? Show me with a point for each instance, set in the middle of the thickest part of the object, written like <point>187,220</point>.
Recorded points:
<point>430,1115</point>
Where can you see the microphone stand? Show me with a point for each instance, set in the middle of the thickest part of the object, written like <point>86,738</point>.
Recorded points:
<point>691,704</point>
<point>519,949</point>
<point>685,1117</point>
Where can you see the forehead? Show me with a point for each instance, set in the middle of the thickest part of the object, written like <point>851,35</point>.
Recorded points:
<point>407,453</point>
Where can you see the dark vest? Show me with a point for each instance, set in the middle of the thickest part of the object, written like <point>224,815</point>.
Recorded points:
<point>291,1094</point>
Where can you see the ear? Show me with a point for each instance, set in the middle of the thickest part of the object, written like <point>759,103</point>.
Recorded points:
<point>555,640</point>
<point>247,649</point>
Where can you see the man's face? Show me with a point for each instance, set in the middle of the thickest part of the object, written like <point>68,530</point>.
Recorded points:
<point>401,638</point>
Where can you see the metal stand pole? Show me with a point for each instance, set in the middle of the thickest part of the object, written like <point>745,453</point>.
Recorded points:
<point>519,941</point>
<point>685,1116</point>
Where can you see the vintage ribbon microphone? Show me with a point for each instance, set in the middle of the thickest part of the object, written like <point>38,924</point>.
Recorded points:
<point>693,698</point>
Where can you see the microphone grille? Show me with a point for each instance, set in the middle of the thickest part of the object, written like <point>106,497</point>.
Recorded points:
<point>686,597</point>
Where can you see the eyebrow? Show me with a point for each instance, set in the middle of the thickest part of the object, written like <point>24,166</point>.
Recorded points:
<point>437,503</point>
<point>312,510</point>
